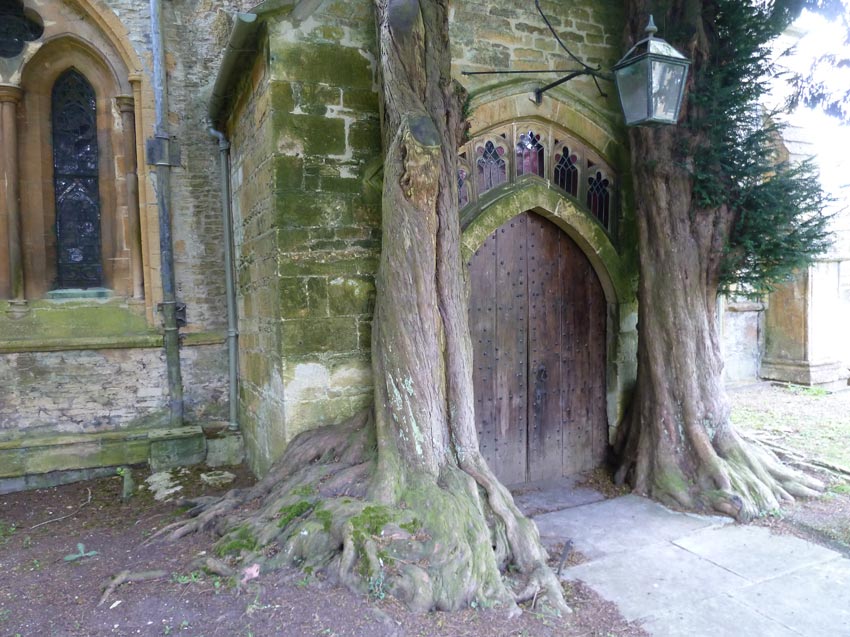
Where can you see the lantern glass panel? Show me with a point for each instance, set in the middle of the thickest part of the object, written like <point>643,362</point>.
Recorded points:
<point>667,80</point>
<point>631,84</point>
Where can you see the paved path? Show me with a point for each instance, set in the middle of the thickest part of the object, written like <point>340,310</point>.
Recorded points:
<point>688,575</point>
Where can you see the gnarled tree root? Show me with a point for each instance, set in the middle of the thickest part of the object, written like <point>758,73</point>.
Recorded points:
<point>726,474</point>
<point>440,544</point>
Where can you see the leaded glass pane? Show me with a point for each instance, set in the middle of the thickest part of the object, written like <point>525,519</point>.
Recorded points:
<point>566,171</point>
<point>529,154</point>
<point>75,179</point>
<point>492,168</point>
<point>16,28</point>
<point>599,197</point>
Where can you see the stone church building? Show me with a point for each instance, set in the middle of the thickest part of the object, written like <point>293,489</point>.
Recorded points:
<point>257,134</point>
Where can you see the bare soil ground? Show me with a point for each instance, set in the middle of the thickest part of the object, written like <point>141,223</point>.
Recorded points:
<point>42,594</point>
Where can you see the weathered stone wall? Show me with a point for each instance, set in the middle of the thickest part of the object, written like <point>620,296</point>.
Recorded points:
<point>743,334</point>
<point>489,36</point>
<point>255,234</point>
<point>303,135</point>
<point>95,390</point>
<point>87,364</point>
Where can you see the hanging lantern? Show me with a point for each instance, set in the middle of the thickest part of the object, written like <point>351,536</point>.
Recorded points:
<point>651,81</point>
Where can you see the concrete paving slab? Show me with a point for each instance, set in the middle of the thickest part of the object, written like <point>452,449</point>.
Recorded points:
<point>534,498</point>
<point>647,582</point>
<point>621,524</point>
<point>813,601</point>
<point>720,616</point>
<point>754,552</point>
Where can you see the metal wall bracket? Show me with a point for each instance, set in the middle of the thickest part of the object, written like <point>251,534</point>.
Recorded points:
<point>162,151</point>
<point>179,313</point>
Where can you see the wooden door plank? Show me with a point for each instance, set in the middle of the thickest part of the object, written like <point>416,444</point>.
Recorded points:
<point>511,350</point>
<point>597,353</point>
<point>482,327</point>
<point>544,343</point>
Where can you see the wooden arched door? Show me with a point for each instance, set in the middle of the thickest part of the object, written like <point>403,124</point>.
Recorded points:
<point>538,318</point>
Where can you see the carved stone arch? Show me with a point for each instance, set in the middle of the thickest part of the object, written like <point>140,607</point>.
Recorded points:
<point>99,25</point>
<point>592,123</point>
<point>575,222</point>
<point>53,58</point>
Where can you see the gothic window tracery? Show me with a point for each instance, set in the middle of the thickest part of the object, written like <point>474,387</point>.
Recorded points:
<point>75,178</point>
<point>599,195</point>
<point>17,27</point>
<point>530,154</point>
<point>492,167</point>
<point>566,171</point>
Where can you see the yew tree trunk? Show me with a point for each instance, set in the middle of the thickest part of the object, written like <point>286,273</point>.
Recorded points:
<point>399,499</point>
<point>677,443</point>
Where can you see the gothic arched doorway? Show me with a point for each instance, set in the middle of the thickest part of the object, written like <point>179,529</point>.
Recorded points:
<point>538,321</point>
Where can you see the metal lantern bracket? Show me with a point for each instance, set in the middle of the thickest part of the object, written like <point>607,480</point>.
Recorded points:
<point>596,73</point>
<point>650,49</point>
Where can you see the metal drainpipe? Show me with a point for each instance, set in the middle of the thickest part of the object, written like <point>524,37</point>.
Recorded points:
<point>163,200</point>
<point>230,288</point>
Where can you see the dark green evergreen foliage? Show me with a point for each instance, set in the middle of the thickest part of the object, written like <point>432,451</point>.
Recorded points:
<point>780,227</point>
<point>778,223</point>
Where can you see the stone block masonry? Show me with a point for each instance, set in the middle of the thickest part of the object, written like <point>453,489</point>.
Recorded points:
<point>308,228</point>
<point>306,144</point>
<point>97,390</point>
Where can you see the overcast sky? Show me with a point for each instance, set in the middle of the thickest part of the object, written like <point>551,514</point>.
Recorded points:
<point>829,139</point>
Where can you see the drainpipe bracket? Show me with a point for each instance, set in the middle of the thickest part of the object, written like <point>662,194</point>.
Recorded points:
<point>162,151</point>
<point>179,312</point>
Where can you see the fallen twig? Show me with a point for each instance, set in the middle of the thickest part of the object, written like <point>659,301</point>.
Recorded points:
<point>64,517</point>
<point>126,576</point>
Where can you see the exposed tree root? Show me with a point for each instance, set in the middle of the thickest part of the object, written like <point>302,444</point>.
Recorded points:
<point>441,544</point>
<point>125,577</point>
<point>724,473</point>
<point>797,458</point>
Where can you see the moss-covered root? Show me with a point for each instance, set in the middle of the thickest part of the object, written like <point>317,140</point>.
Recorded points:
<point>734,477</point>
<point>437,545</point>
<point>755,481</point>
<point>520,538</point>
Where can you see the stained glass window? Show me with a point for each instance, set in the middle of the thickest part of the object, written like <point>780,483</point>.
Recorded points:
<point>16,28</point>
<point>492,168</point>
<point>75,180</point>
<point>599,196</point>
<point>529,154</point>
<point>566,171</point>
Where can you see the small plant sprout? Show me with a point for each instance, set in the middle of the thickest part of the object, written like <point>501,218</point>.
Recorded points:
<point>80,554</point>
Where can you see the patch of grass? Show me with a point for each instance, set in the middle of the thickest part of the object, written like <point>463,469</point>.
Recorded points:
<point>194,577</point>
<point>809,420</point>
<point>805,390</point>
<point>6,531</point>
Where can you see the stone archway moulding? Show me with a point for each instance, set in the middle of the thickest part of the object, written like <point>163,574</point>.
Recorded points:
<point>538,197</point>
<point>111,26</point>
<point>596,127</point>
